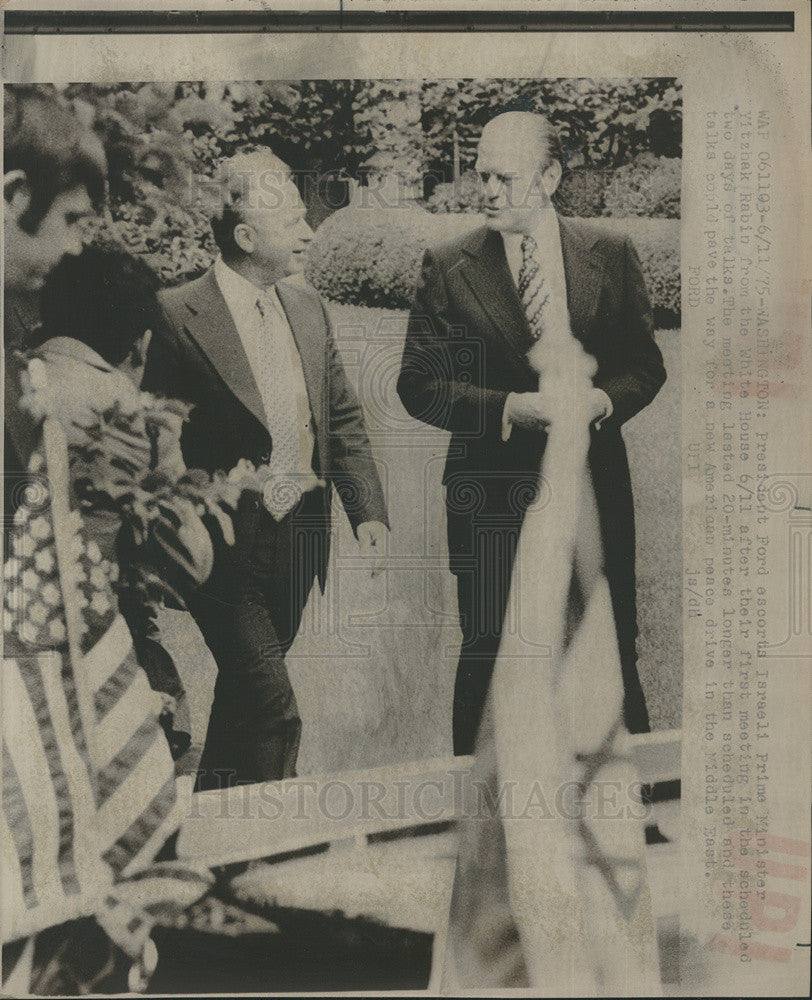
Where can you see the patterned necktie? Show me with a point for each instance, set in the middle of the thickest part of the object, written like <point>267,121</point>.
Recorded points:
<point>532,292</point>
<point>283,489</point>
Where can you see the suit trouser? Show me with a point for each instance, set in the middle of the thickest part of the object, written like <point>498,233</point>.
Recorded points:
<point>249,623</point>
<point>483,587</point>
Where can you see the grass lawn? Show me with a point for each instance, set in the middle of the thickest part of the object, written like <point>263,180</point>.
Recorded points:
<point>374,662</point>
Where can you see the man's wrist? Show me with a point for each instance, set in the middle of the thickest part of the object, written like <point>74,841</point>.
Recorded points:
<point>608,409</point>
<point>507,423</point>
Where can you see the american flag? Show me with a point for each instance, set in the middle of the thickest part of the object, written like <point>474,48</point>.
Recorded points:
<point>553,893</point>
<point>89,791</point>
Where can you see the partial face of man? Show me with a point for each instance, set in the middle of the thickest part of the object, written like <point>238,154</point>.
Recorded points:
<point>515,188</point>
<point>30,258</point>
<point>273,229</point>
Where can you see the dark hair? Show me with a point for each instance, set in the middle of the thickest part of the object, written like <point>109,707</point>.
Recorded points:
<point>43,138</point>
<point>105,298</point>
<point>222,229</point>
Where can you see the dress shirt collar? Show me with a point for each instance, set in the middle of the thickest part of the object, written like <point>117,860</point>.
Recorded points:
<point>544,231</point>
<point>241,294</point>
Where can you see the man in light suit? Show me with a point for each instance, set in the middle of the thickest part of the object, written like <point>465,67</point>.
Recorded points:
<point>257,357</point>
<point>483,300</point>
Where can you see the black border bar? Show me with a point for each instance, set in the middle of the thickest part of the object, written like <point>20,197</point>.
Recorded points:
<point>50,22</point>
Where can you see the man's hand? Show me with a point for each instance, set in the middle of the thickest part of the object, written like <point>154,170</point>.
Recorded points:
<point>601,407</point>
<point>532,410</point>
<point>373,538</point>
<point>529,410</point>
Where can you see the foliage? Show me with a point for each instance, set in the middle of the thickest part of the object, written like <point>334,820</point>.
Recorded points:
<point>388,113</point>
<point>372,256</point>
<point>462,195</point>
<point>158,136</point>
<point>658,244</point>
<point>601,122</point>
<point>581,192</point>
<point>159,139</point>
<point>649,186</point>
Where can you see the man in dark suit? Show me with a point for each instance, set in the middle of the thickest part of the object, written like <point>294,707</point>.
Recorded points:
<point>483,300</point>
<point>256,356</point>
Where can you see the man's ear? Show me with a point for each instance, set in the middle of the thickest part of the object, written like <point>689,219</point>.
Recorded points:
<point>16,192</point>
<point>140,348</point>
<point>551,178</point>
<point>133,365</point>
<point>244,237</point>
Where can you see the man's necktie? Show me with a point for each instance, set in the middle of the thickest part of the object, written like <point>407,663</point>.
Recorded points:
<point>532,292</point>
<point>283,490</point>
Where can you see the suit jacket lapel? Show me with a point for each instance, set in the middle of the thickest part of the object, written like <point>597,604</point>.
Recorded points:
<point>306,319</point>
<point>210,323</point>
<point>487,273</point>
<point>583,272</point>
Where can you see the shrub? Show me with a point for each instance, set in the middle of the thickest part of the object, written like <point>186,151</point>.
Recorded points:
<point>649,186</point>
<point>658,244</point>
<point>372,256</point>
<point>462,196</point>
<point>177,245</point>
<point>581,192</point>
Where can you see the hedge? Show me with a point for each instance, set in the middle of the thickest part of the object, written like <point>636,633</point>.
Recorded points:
<point>648,186</point>
<point>582,192</point>
<point>372,257</point>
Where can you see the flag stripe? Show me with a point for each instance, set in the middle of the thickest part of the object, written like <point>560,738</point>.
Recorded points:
<point>66,861</point>
<point>169,871</point>
<point>107,652</point>
<point>75,718</point>
<point>115,687</point>
<point>114,774</point>
<point>138,833</point>
<point>19,821</point>
<point>125,716</point>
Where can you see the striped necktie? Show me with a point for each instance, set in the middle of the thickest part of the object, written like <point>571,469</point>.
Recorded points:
<point>283,490</point>
<point>532,292</point>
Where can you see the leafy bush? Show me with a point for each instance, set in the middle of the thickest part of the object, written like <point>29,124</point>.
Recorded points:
<point>177,245</point>
<point>461,196</point>
<point>372,256</point>
<point>581,192</point>
<point>649,186</point>
<point>658,244</point>
<point>601,122</point>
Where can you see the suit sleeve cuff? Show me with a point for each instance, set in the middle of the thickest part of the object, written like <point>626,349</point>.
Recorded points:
<point>608,408</point>
<point>507,423</point>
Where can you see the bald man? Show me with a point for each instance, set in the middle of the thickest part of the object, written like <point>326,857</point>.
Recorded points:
<point>257,357</point>
<point>482,302</point>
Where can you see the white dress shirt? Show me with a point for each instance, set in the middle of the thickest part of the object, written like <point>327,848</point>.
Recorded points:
<point>547,235</point>
<point>548,238</point>
<point>241,298</point>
